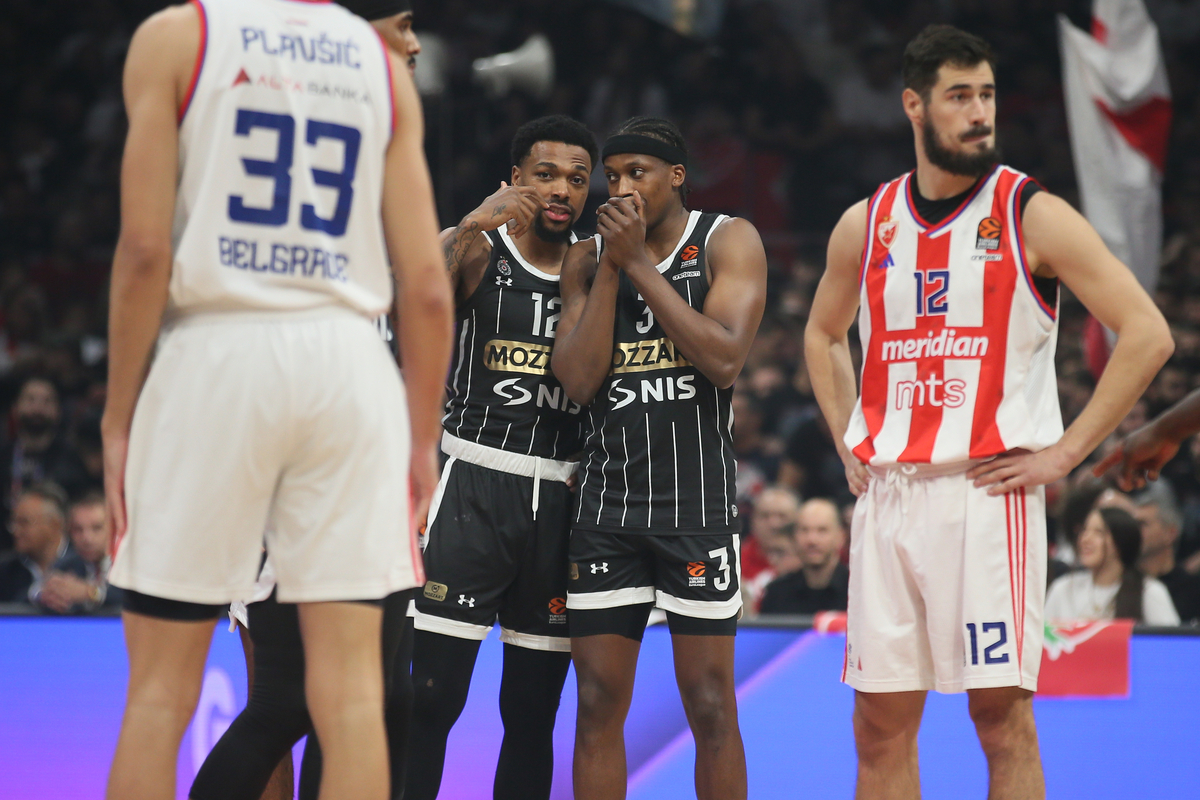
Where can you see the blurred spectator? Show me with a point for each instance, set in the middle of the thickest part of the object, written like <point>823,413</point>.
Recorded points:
<point>1159,516</point>
<point>823,581</point>
<point>757,453</point>
<point>811,464</point>
<point>78,581</point>
<point>38,526</point>
<point>769,546</point>
<point>1110,585</point>
<point>39,452</point>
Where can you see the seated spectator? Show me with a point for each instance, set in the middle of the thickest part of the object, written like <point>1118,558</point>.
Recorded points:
<point>38,526</point>
<point>39,452</point>
<point>1161,522</point>
<point>1110,586</point>
<point>822,582</point>
<point>774,517</point>
<point>78,582</point>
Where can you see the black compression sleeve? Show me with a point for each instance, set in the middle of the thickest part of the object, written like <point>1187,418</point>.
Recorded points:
<point>441,676</point>
<point>529,695</point>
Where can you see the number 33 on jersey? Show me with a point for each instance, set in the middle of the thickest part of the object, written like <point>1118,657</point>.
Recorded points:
<point>284,134</point>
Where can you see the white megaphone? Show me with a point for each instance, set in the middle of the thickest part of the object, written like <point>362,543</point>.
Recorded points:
<point>530,67</point>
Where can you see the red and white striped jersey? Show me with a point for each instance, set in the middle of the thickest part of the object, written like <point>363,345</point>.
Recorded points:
<point>958,346</point>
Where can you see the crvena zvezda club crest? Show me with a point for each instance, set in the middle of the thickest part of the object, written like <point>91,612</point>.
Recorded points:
<point>887,232</point>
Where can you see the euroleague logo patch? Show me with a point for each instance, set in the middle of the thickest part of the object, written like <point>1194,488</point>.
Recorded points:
<point>989,234</point>
<point>558,611</point>
<point>689,256</point>
<point>887,231</point>
<point>695,571</point>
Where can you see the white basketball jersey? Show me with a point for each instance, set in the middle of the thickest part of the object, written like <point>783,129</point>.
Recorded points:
<point>282,142</point>
<point>958,345</point>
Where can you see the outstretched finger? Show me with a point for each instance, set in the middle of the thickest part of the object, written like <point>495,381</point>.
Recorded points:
<point>1109,461</point>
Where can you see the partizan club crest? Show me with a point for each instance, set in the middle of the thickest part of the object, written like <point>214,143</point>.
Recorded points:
<point>503,266</point>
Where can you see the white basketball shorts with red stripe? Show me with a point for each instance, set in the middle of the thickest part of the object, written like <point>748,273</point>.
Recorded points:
<point>947,584</point>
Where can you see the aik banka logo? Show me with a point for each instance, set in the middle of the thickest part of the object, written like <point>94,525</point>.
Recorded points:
<point>241,78</point>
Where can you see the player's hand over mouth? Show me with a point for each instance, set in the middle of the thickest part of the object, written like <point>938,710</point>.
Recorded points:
<point>621,224</point>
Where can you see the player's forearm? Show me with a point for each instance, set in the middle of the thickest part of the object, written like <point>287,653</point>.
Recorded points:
<point>456,243</point>
<point>426,313</point>
<point>711,347</point>
<point>831,373</point>
<point>1143,346</point>
<point>138,296</point>
<point>1181,420</point>
<point>583,355</point>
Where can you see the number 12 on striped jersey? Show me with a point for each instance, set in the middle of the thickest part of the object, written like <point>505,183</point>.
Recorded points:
<point>551,320</point>
<point>932,287</point>
<point>989,656</point>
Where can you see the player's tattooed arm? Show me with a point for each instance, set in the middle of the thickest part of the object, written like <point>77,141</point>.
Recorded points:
<point>827,341</point>
<point>584,343</point>
<point>466,252</point>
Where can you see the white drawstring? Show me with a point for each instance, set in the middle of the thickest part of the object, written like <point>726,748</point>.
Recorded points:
<point>537,484</point>
<point>900,480</point>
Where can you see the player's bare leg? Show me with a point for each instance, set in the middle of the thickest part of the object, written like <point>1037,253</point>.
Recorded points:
<point>166,669</point>
<point>885,735</point>
<point>704,672</point>
<point>344,688</point>
<point>605,667</point>
<point>1004,722</point>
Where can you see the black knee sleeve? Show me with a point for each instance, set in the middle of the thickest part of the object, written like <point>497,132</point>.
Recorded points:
<point>275,717</point>
<point>441,677</point>
<point>530,691</point>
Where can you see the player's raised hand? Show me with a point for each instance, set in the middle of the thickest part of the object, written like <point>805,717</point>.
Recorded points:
<point>622,223</point>
<point>516,206</point>
<point>1019,467</point>
<point>1138,457</point>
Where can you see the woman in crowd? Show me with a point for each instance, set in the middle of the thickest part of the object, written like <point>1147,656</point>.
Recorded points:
<point>1110,585</point>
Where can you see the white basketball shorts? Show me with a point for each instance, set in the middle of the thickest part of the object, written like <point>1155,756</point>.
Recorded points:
<point>290,429</point>
<point>947,584</point>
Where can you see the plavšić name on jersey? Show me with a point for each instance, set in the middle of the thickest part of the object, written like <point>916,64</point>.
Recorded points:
<point>283,259</point>
<point>647,355</point>
<point>319,49</point>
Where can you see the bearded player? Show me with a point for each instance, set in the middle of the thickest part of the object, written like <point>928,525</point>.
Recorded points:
<point>256,231</point>
<point>955,267</point>
<point>496,544</point>
<point>659,311</point>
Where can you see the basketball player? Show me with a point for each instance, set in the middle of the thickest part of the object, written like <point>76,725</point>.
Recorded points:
<point>271,148</point>
<point>659,311</point>
<point>496,544</point>
<point>253,757</point>
<point>955,266</point>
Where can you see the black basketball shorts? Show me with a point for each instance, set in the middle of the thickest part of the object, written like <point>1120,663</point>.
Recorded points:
<point>487,557</point>
<point>616,578</point>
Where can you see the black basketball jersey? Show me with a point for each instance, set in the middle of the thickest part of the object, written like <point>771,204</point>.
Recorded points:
<point>502,393</point>
<point>658,445</point>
